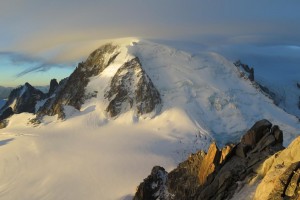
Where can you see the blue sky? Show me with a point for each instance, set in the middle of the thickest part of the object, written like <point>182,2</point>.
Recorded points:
<point>16,70</point>
<point>49,36</point>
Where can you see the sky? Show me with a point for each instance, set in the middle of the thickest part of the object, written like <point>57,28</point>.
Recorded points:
<point>40,39</point>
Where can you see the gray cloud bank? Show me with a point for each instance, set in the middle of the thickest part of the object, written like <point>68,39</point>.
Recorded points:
<point>66,31</point>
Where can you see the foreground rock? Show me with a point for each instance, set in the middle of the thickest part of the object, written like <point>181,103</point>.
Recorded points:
<point>281,174</point>
<point>219,173</point>
<point>154,186</point>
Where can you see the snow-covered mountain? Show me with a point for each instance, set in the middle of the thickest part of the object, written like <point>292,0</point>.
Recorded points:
<point>23,99</point>
<point>131,105</point>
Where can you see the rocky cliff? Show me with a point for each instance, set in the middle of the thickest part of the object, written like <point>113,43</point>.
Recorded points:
<point>72,91</point>
<point>130,88</point>
<point>221,173</point>
<point>281,174</point>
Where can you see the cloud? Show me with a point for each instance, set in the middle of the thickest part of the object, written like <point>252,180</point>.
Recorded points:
<point>23,64</point>
<point>38,68</point>
<point>37,26</point>
<point>49,33</point>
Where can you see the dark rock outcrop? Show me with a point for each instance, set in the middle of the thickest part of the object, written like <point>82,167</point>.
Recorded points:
<point>245,70</point>
<point>218,174</point>
<point>21,99</point>
<point>6,113</point>
<point>154,186</point>
<point>256,132</point>
<point>130,88</point>
<point>53,86</point>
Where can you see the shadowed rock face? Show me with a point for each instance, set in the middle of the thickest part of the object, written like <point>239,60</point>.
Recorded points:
<point>72,91</point>
<point>23,99</point>
<point>245,70</point>
<point>53,87</point>
<point>153,186</point>
<point>216,174</point>
<point>256,132</point>
<point>130,88</point>
<point>6,114</point>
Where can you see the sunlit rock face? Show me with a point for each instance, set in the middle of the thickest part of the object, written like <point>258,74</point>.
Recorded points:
<point>220,173</point>
<point>281,174</point>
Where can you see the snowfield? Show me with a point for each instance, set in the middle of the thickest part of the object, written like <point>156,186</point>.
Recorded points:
<point>91,156</point>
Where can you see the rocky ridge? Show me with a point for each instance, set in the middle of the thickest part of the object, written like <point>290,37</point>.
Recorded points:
<point>131,87</point>
<point>72,91</point>
<point>245,70</point>
<point>21,99</point>
<point>248,73</point>
<point>281,174</point>
<point>222,173</point>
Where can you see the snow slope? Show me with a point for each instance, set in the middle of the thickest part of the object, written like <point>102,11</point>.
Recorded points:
<point>91,156</point>
<point>285,89</point>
